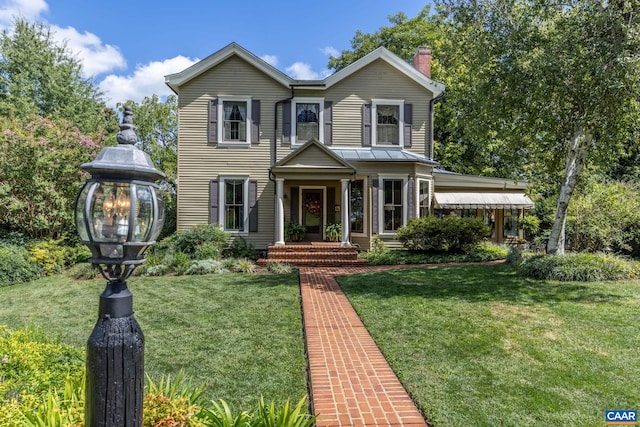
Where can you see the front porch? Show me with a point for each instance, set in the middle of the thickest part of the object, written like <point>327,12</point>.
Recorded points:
<point>310,254</point>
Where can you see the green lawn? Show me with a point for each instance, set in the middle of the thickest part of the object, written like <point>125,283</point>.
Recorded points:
<point>239,334</point>
<point>481,346</point>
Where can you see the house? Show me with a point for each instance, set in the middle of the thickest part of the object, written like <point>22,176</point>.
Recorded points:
<point>258,150</point>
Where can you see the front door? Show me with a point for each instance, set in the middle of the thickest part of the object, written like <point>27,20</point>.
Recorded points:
<point>312,213</point>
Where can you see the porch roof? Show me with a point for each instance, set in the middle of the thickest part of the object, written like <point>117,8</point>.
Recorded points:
<point>380,154</point>
<point>459,200</point>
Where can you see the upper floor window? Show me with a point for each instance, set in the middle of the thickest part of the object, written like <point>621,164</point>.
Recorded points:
<point>235,120</point>
<point>306,120</point>
<point>388,122</point>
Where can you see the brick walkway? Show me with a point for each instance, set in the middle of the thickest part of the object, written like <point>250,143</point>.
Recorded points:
<point>351,382</point>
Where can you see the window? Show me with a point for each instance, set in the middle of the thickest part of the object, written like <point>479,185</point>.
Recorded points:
<point>388,122</point>
<point>424,200</point>
<point>235,120</point>
<point>357,206</point>
<point>510,223</point>
<point>234,123</point>
<point>392,212</point>
<point>233,200</point>
<point>307,120</point>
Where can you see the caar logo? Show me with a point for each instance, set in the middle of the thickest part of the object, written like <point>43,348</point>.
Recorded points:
<point>620,417</point>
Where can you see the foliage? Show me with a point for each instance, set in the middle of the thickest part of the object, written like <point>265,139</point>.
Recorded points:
<point>294,232</point>
<point>333,232</point>
<point>244,265</point>
<point>157,130</point>
<point>39,76</point>
<point>57,410</point>
<point>515,256</point>
<point>172,402</point>
<point>484,251</point>
<point>178,262</point>
<point>448,234</point>
<point>208,250</point>
<point>581,267</point>
<point>530,225</point>
<point>605,215</point>
<point>189,241</point>
<point>378,247</point>
<point>50,255</point>
<point>16,267</point>
<point>221,415</point>
<point>240,248</point>
<point>206,266</point>
<point>280,268</point>
<point>40,174</point>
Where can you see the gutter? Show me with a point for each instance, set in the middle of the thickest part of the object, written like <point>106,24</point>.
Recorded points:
<point>432,102</point>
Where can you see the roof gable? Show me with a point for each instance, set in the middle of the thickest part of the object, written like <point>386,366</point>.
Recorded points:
<point>315,155</point>
<point>174,81</point>
<point>436,88</point>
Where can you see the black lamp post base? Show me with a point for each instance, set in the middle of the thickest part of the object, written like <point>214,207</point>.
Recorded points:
<point>115,364</point>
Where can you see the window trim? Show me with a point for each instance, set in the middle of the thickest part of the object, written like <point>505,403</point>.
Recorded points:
<point>248,124</point>
<point>222,213</point>
<point>429,183</point>
<point>294,120</point>
<point>380,213</point>
<point>374,121</point>
<point>365,203</point>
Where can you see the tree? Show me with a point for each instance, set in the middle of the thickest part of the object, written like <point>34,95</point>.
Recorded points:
<point>39,76</point>
<point>40,174</point>
<point>561,80</point>
<point>157,129</point>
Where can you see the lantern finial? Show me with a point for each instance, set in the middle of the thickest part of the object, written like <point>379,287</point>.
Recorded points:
<point>127,134</point>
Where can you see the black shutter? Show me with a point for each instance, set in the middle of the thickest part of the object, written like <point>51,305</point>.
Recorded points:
<point>214,199</point>
<point>255,120</point>
<point>286,123</point>
<point>253,206</point>
<point>408,122</point>
<point>331,205</point>
<point>411,197</point>
<point>366,125</point>
<point>293,210</point>
<point>213,120</point>
<point>328,122</point>
<point>374,205</point>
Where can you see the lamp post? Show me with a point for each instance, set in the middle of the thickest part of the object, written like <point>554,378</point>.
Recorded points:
<point>118,213</point>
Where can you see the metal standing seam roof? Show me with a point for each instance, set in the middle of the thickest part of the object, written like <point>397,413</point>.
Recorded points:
<point>376,154</point>
<point>496,200</point>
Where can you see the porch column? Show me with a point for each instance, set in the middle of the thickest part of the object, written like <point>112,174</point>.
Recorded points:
<point>345,213</point>
<point>279,211</point>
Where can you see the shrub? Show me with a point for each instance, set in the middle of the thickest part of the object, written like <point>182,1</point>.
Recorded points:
<point>333,232</point>
<point>206,266</point>
<point>189,241</point>
<point>16,267</point>
<point>448,234</point>
<point>294,232</point>
<point>57,410</point>
<point>276,267</point>
<point>208,250</point>
<point>172,402</point>
<point>244,266</point>
<point>487,251</point>
<point>515,256</point>
<point>240,248</point>
<point>378,247</point>
<point>178,262</point>
<point>582,267</point>
<point>155,270</point>
<point>49,255</point>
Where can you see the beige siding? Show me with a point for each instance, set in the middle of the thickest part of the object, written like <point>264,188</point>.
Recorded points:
<point>200,162</point>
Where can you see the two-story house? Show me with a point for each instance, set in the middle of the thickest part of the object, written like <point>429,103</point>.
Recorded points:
<point>257,150</point>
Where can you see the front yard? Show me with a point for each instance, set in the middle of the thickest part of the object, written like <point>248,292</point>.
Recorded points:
<point>481,346</point>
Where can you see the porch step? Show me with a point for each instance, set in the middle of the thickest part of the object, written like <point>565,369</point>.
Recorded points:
<point>313,254</point>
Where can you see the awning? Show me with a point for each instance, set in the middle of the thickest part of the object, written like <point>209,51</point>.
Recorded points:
<point>454,200</point>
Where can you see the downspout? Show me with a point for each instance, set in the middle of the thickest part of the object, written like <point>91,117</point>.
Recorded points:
<point>432,102</point>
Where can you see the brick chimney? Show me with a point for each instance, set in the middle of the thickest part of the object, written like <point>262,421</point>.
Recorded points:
<point>422,60</point>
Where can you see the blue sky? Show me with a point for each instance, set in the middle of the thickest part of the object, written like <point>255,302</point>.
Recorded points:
<point>128,47</point>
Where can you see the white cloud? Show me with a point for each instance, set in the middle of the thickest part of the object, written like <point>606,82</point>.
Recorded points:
<point>146,80</point>
<point>28,9</point>
<point>330,51</point>
<point>270,59</point>
<point>96,57</point>
<point>303,71</point>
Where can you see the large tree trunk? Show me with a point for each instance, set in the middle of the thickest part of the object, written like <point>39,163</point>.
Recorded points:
<point>576,157</point>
